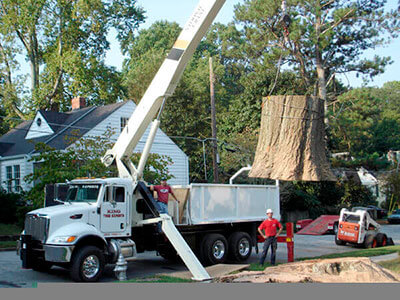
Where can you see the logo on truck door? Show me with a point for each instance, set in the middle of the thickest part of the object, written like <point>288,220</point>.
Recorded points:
<point>113,213</point>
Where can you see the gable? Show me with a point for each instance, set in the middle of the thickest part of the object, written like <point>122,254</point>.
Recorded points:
<point>39,128</point>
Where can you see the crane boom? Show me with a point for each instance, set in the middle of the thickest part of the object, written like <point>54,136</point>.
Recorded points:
<point>162,86</point>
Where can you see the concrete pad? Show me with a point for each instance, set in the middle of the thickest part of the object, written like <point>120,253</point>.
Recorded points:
<point>214,271</point>
<point>385,257</point>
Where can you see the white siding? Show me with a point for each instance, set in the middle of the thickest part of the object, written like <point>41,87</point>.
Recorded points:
<point>36,131</point>
<point>25,169</point>
<point>162,145</point>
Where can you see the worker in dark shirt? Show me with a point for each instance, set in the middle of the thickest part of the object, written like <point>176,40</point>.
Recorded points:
<point>269,226</point>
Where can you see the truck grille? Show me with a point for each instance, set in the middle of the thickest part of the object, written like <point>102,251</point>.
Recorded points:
<point>37,226</point>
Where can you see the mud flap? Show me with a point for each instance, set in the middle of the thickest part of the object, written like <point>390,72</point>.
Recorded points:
<point>26,251</point>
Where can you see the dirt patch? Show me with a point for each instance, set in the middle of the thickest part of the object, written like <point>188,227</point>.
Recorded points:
<point>340,270</point>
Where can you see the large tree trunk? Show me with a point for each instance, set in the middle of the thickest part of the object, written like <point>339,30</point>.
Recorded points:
<point>291,145</point>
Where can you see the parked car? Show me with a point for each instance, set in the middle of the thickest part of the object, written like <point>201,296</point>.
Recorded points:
<point>394,218</point>
<point>381,213</point>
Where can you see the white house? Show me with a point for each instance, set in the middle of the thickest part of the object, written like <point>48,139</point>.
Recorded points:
<point>18,145</point>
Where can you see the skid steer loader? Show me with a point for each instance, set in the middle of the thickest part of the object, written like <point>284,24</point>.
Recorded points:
<point>360,229</point>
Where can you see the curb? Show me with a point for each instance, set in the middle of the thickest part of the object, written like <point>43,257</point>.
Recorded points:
<point>8,249</point>
<point>385,257</point>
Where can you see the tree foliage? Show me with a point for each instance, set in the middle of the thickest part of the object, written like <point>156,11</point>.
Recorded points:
<point>367,121</point>
<point>64,43</point>
<point>316,38</point>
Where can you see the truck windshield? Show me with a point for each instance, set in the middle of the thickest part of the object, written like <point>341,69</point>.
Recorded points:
<point>83,193</point>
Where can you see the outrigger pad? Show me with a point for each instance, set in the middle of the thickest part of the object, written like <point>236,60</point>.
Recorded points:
<point>148,198</point>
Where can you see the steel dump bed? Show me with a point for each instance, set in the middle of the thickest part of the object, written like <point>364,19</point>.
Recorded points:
<point>223,203</point>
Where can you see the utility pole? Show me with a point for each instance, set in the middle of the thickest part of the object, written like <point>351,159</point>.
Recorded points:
<point>213,123</point>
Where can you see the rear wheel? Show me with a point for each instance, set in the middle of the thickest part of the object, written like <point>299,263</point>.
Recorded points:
<point>87,264</point>
<point>240,246</point>
<point>214,249</point>
<point>381,239</point>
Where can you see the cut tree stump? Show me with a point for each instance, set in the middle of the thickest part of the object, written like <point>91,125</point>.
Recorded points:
<point>291,145</point>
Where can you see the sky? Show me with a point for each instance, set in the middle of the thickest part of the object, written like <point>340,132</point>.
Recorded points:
<point>180,10</point>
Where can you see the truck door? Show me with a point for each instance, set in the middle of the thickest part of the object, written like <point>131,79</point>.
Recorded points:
<point>114,209</point>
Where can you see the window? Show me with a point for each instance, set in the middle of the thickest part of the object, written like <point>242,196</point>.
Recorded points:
<point>119,194</point>
<point>13,178</point>
<point>17,176</point>
<point>9,179</point>
<point>83,193</point>
<point>124,121</point>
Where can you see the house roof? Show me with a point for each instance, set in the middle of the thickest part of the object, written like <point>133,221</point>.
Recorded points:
<point>70,124</point>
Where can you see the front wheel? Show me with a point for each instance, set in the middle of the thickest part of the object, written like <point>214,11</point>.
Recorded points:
<point>339,242</point>
<point>370,241</point>
<point>87,264</point>
<point>381,239</point>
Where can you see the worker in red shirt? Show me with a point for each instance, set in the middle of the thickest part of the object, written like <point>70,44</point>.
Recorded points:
<point>163,190</point>
<point>269,227</point>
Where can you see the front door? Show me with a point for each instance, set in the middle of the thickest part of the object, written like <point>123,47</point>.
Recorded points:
<point>114,213</point>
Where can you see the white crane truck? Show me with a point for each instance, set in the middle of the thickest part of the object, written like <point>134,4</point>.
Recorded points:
<point>110,220</point>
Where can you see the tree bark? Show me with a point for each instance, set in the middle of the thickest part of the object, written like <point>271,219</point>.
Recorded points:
<point>291,144</point>
<point>320,69</point>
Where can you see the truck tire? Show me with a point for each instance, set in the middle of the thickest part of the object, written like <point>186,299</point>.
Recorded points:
<point>214,249</point>
<point>339,242</point>
<point>370,241</point>
<point>335,228</point>
<point>240,246</point>
<point>381,239</point>
<point>87,264</point>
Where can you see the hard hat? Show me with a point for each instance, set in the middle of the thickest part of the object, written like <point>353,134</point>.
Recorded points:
<point>269,211</point>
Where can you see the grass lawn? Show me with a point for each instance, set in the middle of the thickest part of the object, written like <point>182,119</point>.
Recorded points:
<point>8,244</point>
<point>158,279</point>
<point>9,229</point>
<point>393,265</point>
<point>360,253</point>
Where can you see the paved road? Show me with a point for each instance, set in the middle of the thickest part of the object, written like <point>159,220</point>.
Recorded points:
<point>12,275</point>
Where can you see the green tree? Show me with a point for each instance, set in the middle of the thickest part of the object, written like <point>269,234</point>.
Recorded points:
<point>366,121</point>
<point>65,43</point>
<point>316,38</point>
<point>353,124</point>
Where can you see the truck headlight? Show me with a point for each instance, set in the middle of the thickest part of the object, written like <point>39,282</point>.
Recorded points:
<point>64,239</point>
